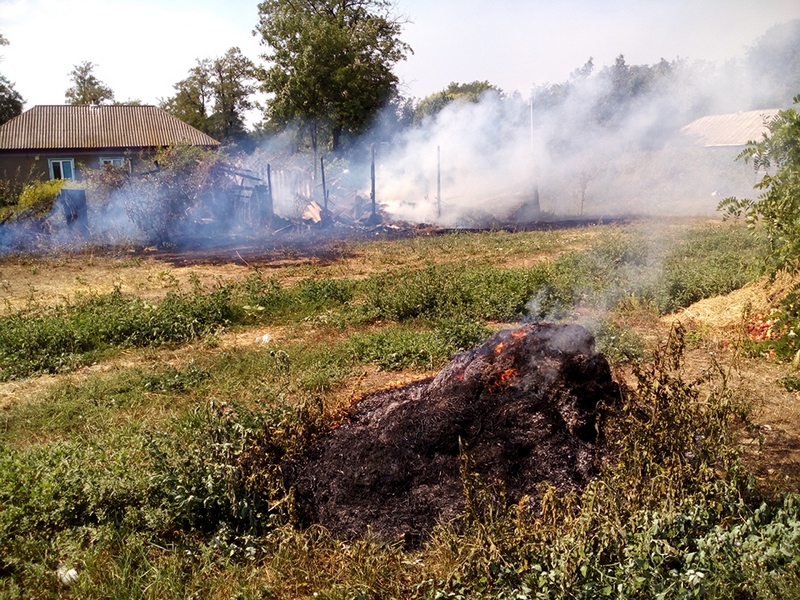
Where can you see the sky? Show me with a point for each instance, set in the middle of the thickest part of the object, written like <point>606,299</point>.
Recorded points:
<point>143,47</point>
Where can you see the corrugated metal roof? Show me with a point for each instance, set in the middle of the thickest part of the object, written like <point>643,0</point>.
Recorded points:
<point>83,126</point>
<point>734,129</point>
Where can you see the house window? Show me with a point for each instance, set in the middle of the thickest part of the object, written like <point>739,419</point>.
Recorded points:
<point>61,168</point>
<point>114,161</point>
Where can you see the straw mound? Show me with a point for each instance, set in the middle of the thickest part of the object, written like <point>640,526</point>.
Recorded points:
<point>725,314</point>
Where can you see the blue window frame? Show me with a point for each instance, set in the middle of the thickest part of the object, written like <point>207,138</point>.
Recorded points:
<point>61,168</point>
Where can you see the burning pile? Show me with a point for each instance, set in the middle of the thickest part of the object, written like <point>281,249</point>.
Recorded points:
<point>524,406</point>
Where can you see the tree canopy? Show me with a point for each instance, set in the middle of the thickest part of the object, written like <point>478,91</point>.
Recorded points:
<point>467,92</point>
<point>10,100</point>
<point>215,95</point>
<point>772,65</point>
<point>86,88</point>
<point>331,63</point>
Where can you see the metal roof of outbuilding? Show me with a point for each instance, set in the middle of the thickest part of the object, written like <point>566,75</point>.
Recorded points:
<point>733,129</point>
<point>84,126</point>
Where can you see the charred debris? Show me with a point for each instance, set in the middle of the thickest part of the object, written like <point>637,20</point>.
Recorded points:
<point>226,206</point>
<point>526,407</point>
<point>230,200</point>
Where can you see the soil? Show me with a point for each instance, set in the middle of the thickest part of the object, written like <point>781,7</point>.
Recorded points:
<point>522,408</point>
<point>720,326</point>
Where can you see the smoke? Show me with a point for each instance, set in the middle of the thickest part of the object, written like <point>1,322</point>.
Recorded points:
<point>599,150</point>
<point>602,144</point>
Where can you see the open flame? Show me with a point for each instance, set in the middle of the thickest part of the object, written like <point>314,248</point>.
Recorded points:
<point>499,348</point>
<point>507,375</point>
<point>504,379</point>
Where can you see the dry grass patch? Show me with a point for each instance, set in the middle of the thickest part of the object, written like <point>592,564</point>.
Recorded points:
<point>724,314</point>
<point>48,281</point>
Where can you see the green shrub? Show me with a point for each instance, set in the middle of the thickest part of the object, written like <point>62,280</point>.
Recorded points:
<point>266,300</point>
<point>40,195</point>
<point>397,348</point>
<point>619,344</point>
<point>451,291</point>
<point>778,154</point>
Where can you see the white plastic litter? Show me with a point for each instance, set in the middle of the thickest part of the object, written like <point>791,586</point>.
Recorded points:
<point>66,575</point>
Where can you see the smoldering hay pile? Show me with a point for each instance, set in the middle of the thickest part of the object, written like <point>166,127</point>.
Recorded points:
<point>526,406</point>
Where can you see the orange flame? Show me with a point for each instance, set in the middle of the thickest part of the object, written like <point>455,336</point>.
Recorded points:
<point>506,375</point>
<point>499,348</point>
<point>504,379</point>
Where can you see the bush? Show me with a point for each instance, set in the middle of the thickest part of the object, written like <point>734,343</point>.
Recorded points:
<point>778,206</point>
<point>40,195</point>
<point>160,203</point>
<point>619,344</point>
<point>266,300</point>
<point>451,292</point>
<point>711,261</point>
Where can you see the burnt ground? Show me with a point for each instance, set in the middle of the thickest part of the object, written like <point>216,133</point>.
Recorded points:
<point>524,407</point>
<point>328,244</point>
<point>325,243</point>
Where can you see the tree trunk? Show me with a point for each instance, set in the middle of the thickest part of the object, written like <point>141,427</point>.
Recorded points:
<point>336,134</point>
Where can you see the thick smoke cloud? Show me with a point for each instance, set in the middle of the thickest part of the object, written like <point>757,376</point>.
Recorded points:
<point>597,149</point>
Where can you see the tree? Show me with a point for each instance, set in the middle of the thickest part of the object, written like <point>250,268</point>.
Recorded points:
<point>772,66</point>
<point>778,207</point>
<point>215,95</point>
<point>331,63</point>
<point>87,89</point>
<point>625,85</point>
<point>466,92</point>
<point>10,100</point>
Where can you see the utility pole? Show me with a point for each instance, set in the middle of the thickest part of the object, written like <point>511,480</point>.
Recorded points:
<point>438,181</point>
<point>324,189</point>
<point>535,200</point>
<point>372,179</point>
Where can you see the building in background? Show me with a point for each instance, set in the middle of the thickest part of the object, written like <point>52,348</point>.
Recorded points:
<point>57,142</point>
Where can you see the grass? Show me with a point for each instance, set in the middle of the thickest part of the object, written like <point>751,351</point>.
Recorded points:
<point>163,481</point>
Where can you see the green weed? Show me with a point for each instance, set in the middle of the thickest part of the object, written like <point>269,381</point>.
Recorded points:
<point>711,261</point>
<point>398,348</point>
<point>64,337</point>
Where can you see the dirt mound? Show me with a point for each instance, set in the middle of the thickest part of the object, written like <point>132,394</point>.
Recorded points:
<point>524,405</point>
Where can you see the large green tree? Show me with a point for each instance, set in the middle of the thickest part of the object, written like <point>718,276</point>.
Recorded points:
<point>215,95</point>
<point>330,63</point>
<point>10,100</point>
<point>86,88</point>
